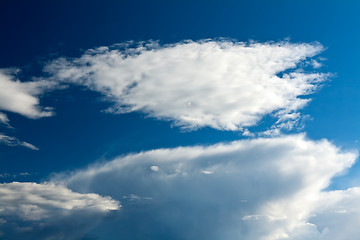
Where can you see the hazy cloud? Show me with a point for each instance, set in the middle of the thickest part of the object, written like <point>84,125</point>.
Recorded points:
<point>249,189</point>
<point>12,141</point>
<point>49,211</point>
<point>4,119</point>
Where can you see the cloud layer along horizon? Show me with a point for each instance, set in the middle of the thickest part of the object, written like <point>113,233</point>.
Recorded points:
<point>266,189</point>
<point>49,211</point>
<point>221,84</point>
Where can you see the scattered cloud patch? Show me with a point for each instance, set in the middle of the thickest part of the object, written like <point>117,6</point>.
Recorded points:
<point>12,141</point>
<point>221,84</point>
<point>4,119</point>
<point>49,211</point>
<point>154,168</point>
<point>22,97</point>
<point>266,188</point>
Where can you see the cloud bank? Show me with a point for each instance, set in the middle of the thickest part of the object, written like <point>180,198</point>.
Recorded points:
<point>221,84</point>
<point>49,211</point>
<point>262,189</point>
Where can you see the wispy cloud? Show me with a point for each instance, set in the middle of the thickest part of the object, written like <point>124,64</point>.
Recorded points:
<point>12,141</point>
<point>49,211</point>
<point>249,189</point>
<point>221,84</point>
<point>4,119</point>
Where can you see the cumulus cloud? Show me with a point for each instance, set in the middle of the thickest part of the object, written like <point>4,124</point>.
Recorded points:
<point>221,84</point>
<point>262,189</point>
<point>49,211</point>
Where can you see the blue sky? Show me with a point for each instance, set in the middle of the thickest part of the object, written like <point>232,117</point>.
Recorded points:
<point>135,119</point>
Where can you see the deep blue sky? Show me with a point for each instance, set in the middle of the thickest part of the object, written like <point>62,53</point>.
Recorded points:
<point>34,32</point>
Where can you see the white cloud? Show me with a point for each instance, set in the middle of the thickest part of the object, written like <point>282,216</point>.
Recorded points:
<point>22,97</point>
<point>49,211</point>
<point>12,141</point>
<point>4,119</point>
<point>221,84</point>
<point>262,189</point>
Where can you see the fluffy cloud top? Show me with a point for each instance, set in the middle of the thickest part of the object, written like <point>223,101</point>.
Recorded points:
<point>48,211</point>
<point>262,189</point>
<point>221,84</point>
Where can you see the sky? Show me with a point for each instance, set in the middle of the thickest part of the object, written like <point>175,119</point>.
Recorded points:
<point>179,120</point>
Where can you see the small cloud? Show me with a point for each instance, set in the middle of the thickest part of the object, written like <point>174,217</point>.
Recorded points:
<point>22,97</point>
<point>207,172</point>
<point>12,141</point>
<point>4,119</point>
<point>316,64</point>
<point>154,168</point>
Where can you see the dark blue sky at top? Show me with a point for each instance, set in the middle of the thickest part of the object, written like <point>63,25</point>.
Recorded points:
<point>34,32</point>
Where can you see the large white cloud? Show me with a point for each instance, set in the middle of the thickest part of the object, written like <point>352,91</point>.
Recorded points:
<point>221,84</point>
<point>49,211</point>
<point>251,189</point>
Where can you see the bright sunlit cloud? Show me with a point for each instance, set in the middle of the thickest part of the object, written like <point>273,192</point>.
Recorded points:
<point>221,84</point>
<point>22,97</point>
<point>249,189</point>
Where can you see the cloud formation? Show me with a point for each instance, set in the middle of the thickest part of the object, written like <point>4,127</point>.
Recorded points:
<point>22,98</point>
<point>12,141</point>
<point>262,189</point>
<point>4,119</point>
<point>221,84</point>
<point>338,214</point>
<point>49,211</point>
